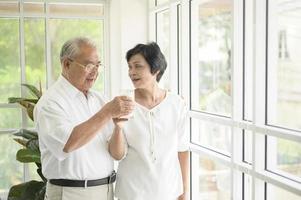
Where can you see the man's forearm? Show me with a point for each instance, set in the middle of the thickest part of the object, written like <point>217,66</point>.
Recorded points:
<point>84,132</point>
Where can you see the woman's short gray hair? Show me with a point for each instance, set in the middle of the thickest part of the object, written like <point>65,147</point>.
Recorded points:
<point>71,48</point>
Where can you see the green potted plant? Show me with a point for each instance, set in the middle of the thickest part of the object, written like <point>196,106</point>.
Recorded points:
<point>30,153</point>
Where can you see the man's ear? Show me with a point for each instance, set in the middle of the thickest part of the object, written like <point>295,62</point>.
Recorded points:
<point>66,63</point>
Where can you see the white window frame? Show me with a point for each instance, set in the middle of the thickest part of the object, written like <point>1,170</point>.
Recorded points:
<point>249,31</point>
<point>46,16</point>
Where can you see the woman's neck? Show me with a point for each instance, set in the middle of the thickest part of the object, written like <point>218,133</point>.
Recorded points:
<point>149,97</point>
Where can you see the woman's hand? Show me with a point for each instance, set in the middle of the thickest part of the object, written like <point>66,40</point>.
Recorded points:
<point>183,197</point>
<point>119,122</point>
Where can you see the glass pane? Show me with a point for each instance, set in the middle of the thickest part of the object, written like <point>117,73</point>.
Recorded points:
<point>276,193</point>
<point>68,9</point>
<point>212,135</point>
<point>284,157</point>
<point>210,179</point>
<point>35,52</point>
<point>284,58</point>
<point>151,3</point>
<point>64,29</point>
<point>248,94</point>
<point>211,56</point>
<point>163,40</point>
<point>13,173</point>
<point>159,2</point>
<point>247,157</point>
<point>33,172</point>
<point>247,187</point>
<point>9,62</point>
<point>33,8</point>
<point>10,118</point>
<point>9,8</point>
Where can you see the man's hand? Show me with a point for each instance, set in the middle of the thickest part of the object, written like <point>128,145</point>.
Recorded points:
<point>120,106</point>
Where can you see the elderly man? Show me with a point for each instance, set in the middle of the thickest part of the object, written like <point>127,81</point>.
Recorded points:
<point>74,125</point>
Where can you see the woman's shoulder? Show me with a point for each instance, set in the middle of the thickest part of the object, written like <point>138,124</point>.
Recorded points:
<point>175,97</point>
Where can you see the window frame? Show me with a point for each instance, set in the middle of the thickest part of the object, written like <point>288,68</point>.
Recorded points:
<point>46,16</point>
<point>247,15</point>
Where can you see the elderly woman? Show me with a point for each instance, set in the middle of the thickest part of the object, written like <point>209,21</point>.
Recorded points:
<point>153,145</point>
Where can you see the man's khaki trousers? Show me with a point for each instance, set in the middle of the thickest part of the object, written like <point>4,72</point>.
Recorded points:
<point>101,192</point>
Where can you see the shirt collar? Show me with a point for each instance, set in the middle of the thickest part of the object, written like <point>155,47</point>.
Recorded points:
<point>69,88</point>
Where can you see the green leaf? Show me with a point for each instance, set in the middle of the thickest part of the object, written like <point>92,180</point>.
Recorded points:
<point>29,110</point>
<point>27,134</point>
<point>23,142</point>
<point>33,145</point>
<point>28,155</point>
<point>18,100</point>
<point>39,171</point>
<point>32,190</point>
<point>33,90</point>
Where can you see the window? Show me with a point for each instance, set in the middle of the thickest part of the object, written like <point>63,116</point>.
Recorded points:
<point>276,193</point>
<point>284,157</point>
<point>211,56</point>
<point>212,135</point>
<point>32,34</point>
<point>284,57</point>
<point>211,179</point>
<point>163,40</point>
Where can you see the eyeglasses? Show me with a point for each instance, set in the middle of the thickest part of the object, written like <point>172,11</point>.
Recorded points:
<point>88,67</point>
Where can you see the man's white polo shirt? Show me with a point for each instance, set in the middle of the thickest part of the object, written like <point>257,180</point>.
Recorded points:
<point>151,169</point>
<point>60,109</point>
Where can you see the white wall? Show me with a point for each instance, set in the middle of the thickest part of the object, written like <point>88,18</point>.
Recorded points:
<point>128,26</point>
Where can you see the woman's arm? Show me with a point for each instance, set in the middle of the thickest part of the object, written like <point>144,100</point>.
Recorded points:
<point>117,143</point>
<point>184,163</point>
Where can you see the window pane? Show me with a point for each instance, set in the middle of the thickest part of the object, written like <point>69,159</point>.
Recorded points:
<point>9,62</point>
<point>10,118</point>
<point>211,56</point>
<point>13,170</point>
<point>159,2</point>
<point>63,29</point>
<point>163,40</point>
<point>33,172</point>
<point>210,179</point>
<point>212,135</point>
<point>151,3</point>
<point>33,8</point>
<point>9,7</point>
<point>68,9</point>
<point>247,142</point>
<point>284,157</point>
<point>35,51</point>
<point>276,193</point>
<point>284,58</point>
<point>248,61</point>
<point>248,93</point>
<point>247,187</point>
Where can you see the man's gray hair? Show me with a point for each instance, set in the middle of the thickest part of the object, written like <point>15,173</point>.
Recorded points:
<point>71,48</point>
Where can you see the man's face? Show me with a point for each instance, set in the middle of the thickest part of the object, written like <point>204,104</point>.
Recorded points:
<point>81,77</point>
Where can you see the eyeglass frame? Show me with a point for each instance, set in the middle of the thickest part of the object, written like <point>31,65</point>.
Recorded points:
<point>85,67</point>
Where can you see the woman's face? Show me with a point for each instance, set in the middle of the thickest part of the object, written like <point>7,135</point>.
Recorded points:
<point>140,73</point>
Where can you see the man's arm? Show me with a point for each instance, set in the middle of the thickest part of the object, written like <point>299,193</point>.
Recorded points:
<point>84,132</point>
